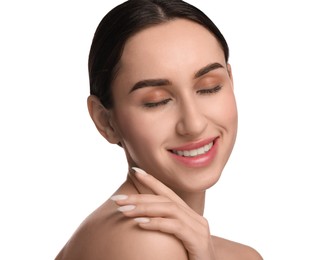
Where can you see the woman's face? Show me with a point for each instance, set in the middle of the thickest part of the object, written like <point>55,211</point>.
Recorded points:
<point>175,111</point>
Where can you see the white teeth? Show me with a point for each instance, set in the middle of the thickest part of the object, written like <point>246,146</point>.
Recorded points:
<point>195,152</point>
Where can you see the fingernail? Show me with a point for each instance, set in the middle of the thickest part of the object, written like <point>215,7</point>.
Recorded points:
<point>142,220</point>
<point>140,171</point>
<point>126,208</point>
<point>119,197</point>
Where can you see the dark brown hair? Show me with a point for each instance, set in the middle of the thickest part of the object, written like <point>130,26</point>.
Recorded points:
<point>124,21</point>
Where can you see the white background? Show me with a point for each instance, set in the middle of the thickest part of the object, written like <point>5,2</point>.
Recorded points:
<point>56,168</point>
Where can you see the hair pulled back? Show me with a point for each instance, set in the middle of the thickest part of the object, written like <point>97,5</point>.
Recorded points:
<point>123,22</point>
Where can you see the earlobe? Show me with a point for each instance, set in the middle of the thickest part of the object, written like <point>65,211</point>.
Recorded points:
<point>101,117</point>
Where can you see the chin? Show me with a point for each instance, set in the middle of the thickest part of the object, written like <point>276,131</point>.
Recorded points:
<point>197,181</point>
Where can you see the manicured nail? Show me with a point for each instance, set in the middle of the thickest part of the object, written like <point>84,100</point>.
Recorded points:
<point>142,220</point>
<point>140,171</point>
<point>119,197</point>
<point>126,208</point>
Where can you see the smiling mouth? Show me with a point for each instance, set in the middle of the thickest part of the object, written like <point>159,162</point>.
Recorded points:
<point>194,152</point>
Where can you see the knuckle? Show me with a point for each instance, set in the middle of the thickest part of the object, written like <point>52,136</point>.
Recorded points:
<point>163,198</point>
<point>133,198</point>
<point>143,209</point>
<point>173,207</point>
<point>205,222</point>
<point>205,230</point>
<point>180,227</point>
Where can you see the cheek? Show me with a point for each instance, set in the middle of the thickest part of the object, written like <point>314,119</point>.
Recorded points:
<point>140,132</point>
<point>223,110</point>
<point>230,110</point>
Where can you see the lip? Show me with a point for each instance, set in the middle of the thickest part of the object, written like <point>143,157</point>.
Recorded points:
<point>194,145</point>
<point>198,161</point>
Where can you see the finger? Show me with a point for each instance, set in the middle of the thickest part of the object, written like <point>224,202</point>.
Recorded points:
<point>164,210</point>
<point>156,186</point>
<point>194,238</point>
<point>170,226</point>
<point>159,188</point>
<point>138,199</point>
<point>146,203</point>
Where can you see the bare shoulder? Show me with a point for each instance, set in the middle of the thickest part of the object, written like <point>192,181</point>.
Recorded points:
<point>106,234</point>
<point>235,251</point>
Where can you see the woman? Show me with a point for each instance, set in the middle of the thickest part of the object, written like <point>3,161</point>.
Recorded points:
<point>162,89</point>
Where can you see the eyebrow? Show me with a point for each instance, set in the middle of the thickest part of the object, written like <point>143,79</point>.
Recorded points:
<point>150,83</point>
<point>207,69</point>
<point>165,82</point>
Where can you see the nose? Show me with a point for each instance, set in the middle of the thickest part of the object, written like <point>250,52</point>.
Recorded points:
<point>192,121</point>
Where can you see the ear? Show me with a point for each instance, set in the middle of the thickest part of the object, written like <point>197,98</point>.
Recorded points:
<point>230,74</point>
<point>102,119</point>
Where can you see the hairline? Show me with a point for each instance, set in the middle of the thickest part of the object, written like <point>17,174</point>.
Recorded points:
<point>165,20</point>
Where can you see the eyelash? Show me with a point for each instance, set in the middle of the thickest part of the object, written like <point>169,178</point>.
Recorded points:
<point>165,101</point>
<point>156,104</point>
<point>210,90</point>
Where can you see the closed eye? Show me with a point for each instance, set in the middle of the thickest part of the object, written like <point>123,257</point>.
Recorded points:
<point>210,90</point>
<point>156,104</point>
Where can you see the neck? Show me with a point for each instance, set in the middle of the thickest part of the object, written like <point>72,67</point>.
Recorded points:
<point>195,200</point>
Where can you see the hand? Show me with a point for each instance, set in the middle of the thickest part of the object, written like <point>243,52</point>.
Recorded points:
<point>166,212</point>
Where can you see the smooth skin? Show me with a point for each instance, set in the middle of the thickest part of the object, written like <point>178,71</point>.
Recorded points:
<point>173,90</point>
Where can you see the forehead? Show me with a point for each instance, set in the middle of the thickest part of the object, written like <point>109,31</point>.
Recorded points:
<point>169,47</point>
